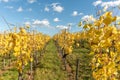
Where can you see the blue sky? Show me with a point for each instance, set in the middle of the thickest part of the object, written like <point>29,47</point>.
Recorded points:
<point>47,16</point>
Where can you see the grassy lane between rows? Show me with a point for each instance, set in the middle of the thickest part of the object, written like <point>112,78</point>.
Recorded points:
<point>50,67</point>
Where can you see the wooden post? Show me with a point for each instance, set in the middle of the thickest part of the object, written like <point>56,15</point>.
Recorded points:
<point>4,63</point>
<point>77,69</point>
<point>9,59</point>
<point>31,68</point>
<point>20,73</point>
<point>20,76</point>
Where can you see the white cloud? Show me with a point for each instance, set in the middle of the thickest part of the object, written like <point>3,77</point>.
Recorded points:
<point>96,3</point>
<point>31,1</point>
<point>9,7</point>
<point>61,27</point>
<point>80,13</point>
<point>88,18</point>
<point>111,3</point>
<point>41,23</point>
<point>27,23</point>
<point>4,0</point>
<point>20,9</point>
<point>118,18</point>
<point>46,9</point>
<point>56,20</point>
<point>75,13</point>
<point>30,9</point>
<point>57,7</point>
<point>107,3</point>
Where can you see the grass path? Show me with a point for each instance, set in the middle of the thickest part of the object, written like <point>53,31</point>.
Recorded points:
<point>50,67</point>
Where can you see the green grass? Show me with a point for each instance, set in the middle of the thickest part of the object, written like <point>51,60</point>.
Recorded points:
<point>50,67</point>
<point>10,74</point>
